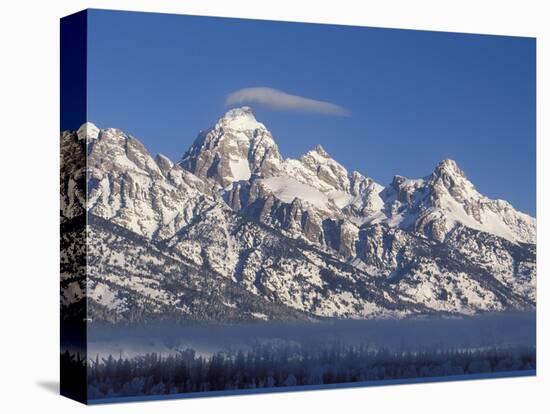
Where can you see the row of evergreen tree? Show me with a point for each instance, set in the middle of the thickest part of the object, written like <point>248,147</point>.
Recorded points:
<point>268,365</point>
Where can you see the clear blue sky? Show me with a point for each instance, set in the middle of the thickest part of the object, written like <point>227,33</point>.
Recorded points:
<point>414,97</point>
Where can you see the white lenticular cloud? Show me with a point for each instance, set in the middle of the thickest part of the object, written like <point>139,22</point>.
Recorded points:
<point>282,101</point>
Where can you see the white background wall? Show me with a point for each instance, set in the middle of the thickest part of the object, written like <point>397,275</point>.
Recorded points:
<point>29,56</point>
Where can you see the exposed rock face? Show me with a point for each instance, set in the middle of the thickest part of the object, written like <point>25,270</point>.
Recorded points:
<point>436,204</point>
<point>72,175</point>
<point>234,149</point>
<point>318,169</point>
<point>127,187</point>
<point>234,232</point>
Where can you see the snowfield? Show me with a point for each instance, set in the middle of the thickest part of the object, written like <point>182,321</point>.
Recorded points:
<point>234,231</point>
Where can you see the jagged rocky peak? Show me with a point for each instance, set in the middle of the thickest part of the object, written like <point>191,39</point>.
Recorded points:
<point>241,119</point>
<point>365,200</point>
<point>115,150</point>
<point>361,185</point>
<point>446,179</point>
<point>317,156</point>
<point>448,167</point>
<point>234,149</point>
<point>448,174</point>
<point>438,203</point>
<point>122,183</point>
<point>404,189</point>
<point>88,132</point>
<point>319,159</point>
<point>319,150</point>
<point>398,181</point>
<point>331,244</point>
<point>323,172</point>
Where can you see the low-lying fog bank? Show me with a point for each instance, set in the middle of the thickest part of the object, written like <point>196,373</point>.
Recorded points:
<point>499,329</point>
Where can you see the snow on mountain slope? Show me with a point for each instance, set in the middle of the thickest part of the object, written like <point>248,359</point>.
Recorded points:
<point>233,149</point>
<point>435,204</point>
<point>240,170</point>
<point>314,198</point>
<point>88,132</point>
<point>239,148</point>
<point>72,185</point>
<point>365,199</point>
<point>286,189</point>
<point>295,238</point>
<point>317,169</point>
<point>149,282</point>
<point>127,186</point>
<point>321,173</point>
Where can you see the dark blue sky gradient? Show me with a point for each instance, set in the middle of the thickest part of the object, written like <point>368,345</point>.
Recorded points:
<point>415,97</point>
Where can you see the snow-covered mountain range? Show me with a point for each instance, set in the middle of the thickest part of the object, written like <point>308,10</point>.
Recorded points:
<point>234,231</point>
